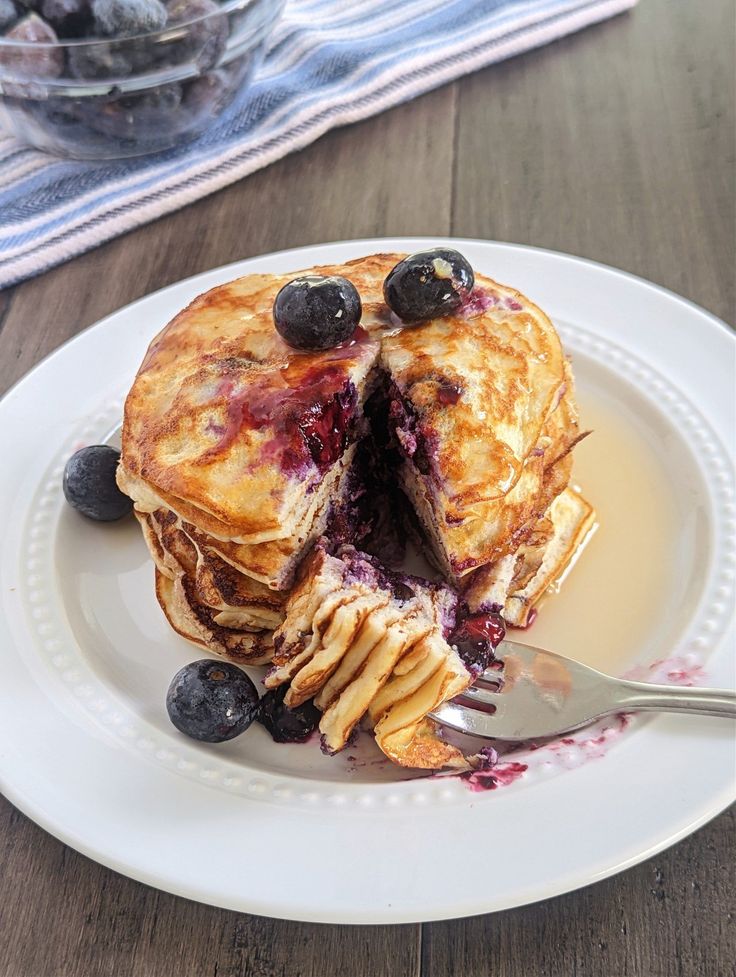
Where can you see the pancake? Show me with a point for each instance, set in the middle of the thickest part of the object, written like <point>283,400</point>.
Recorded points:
<point>242,629</point>
<point>483,452</point>
<point>365,643</point>
<point>518,582</point>
<point>195,622</point>
<point>232,423</point>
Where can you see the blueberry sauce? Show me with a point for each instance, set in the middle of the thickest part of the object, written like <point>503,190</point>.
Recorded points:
<point>415,441</point>
<point>324,426</point>
<point>476,637</point>
<point>500,775</point>
<point>287,725</point>
<point>312,422</point>
<point>477,301</point>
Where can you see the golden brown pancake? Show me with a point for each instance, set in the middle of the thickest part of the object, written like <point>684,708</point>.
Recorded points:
<point>367,645</point>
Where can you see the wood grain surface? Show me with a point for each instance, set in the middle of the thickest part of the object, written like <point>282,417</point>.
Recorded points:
<point>616,144</point>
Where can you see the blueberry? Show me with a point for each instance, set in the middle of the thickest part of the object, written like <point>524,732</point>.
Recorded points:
<point>8,14</point>
<point>127,17</point>
<point>94,61</point>
<point>314,312</point>
<point>211,701</point>
<point>43,62</point>
<point>136,116</point>
<point>287,725</point>
<point>428,284</point>
<point>90,486</point>
<point>206,95</point>
<point>204,40</point>
<point>476,637</point>
<point>69,18</point>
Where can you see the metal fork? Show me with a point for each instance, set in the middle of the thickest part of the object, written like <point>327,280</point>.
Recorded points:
<point>538,693</point>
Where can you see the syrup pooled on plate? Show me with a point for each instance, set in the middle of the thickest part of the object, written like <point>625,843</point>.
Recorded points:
<point>623,603</point>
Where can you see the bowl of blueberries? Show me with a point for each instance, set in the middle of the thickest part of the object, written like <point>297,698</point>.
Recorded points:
<point>105,79</point>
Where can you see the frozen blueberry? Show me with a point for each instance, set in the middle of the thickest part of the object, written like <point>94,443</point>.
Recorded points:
<point>205,95</point>
<point>428,284</point>
<point>317,312</point>
<point>8,14</point>
<point>26,62</point>
<point>89,484</point>
<point>119,18</point>
<point>204,40</point>
<point>69,18</point>
<point>287,725</point>
<point>97,61</point>
<point>136,117</point>
<point>211,701</point>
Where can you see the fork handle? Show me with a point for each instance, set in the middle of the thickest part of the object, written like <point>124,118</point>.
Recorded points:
<point>640,696</point>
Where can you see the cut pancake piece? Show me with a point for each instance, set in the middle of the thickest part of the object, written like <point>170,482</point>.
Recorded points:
<point>481,404</point>
<point>338,637</point>
<point>518,582</point>
<point>405,733</point>
<point>354,701</point>
<point>375,643</point>
<point>294,656</point>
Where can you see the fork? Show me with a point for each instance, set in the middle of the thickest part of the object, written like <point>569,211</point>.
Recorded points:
<point>538,693</point>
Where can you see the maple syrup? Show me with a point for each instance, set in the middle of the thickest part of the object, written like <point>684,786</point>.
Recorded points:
<point>636,583</point>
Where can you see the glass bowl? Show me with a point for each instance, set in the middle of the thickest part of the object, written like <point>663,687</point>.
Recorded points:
<point>116,97</point>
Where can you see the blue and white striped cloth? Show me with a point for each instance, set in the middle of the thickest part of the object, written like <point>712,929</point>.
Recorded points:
<point>330,62</point>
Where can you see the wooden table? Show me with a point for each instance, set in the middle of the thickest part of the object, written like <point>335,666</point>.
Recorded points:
<point>616,144</point>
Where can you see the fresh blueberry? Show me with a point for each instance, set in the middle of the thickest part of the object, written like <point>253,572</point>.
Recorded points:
<point>26,62</point>
<point>287,725</point>
<point>8,14</point>
<point>428,284</point>
<point>205,38</point>
<point>211,701</point>
<point>118,18</point>
<point>90,486</point>
<point>314,312</point>
<point>69,18</point>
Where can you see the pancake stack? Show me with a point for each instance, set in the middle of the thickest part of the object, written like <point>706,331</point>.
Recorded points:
<point>240,453</point>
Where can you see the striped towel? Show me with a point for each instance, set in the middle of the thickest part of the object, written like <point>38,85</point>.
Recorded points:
<point>330,62</point>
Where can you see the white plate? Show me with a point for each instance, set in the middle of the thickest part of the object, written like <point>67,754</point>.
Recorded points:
<point>86,749</point>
